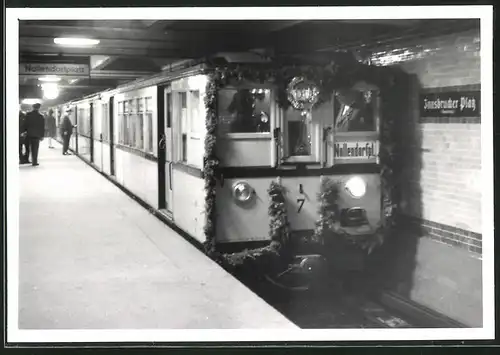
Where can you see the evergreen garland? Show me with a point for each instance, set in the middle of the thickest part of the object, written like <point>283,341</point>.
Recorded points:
<point>278,232</point>
<point>328,226</point>
<point>210,164</point>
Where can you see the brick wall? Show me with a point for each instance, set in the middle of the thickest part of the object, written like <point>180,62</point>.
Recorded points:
<point>435,259</point>
<point>443,172</point>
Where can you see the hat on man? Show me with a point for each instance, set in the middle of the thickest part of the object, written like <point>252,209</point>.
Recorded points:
<point>37,106</point>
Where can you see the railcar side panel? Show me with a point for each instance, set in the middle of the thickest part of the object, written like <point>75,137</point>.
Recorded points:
<point>106,161</point>
<point>134,117</point>
<point>243,222</point>
<point>189,203</point>
<point>245,151</point>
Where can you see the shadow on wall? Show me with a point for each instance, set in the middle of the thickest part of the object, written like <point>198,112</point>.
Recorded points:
<point>392,266</point>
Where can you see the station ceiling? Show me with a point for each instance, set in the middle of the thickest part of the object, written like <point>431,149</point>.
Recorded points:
<point>129,49</point>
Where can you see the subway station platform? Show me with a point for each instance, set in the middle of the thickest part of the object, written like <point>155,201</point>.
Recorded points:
<point>92,258</point>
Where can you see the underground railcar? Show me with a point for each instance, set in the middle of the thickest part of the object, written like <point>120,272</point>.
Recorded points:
<point>265,164</point>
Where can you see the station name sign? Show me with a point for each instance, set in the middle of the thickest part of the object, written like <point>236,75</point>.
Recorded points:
<point>355,150</point>
<point>451,104</point>
<point>59,69</point>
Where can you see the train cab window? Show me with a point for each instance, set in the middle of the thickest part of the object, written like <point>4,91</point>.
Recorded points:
<point>355,111</point>
<point>149,123</point>
<point>244,110</point>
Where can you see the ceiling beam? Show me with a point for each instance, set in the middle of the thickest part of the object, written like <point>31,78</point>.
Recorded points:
<point>121,52</point>
<point>95,32</point>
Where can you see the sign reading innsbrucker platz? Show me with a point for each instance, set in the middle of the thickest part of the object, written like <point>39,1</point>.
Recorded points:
<point>451,104</point>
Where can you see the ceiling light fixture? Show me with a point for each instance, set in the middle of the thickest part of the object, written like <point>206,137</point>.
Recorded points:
<point>71,41</point>
<point>50,78</point>
<point>50,91</point>
<point>31,101</point>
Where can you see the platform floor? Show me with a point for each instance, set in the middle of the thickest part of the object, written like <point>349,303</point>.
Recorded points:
<point>92,258</point>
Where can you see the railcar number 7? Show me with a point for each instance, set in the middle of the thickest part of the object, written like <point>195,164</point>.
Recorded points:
<point>300,201</point>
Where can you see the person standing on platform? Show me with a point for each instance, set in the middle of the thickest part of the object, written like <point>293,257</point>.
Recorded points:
<point>50,127</point>
<point>35,130</point>
<point>66,131</point>
<point>24,148</point>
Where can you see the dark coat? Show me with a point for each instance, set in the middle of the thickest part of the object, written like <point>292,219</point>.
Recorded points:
<point>22,122</point>
<point>50,126</point>
<point>35,125</point>
<point>66,126</point>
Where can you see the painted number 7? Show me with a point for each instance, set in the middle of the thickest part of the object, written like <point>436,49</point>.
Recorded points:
<point>301,202</point>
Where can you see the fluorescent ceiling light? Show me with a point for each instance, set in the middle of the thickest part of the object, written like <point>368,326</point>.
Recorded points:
<point>50,91</point>
<point>51,94</point>
<point>70,41</point>
<point>31,101</point>
<point>50,78</point>
<point>49,86</point>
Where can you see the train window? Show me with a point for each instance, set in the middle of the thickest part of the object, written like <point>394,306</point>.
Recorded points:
<point>355,111</point>
<point>105,122</point>
<point>132,124</point>
<point>244,110</point>
<point>139,141</point>
<point>123,122</point>
<point>183,124</point>
<point>149,120</point>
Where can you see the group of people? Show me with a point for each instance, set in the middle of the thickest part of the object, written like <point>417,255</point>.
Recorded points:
<point>34,127</point>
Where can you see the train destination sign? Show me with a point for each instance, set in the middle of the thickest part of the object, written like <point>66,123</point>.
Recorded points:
<point>355,150</point>
<point>59,69</point>
<point>450,104</point>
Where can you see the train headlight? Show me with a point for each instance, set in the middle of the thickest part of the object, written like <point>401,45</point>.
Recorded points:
<point>242,191</point>
<point>356,186</point>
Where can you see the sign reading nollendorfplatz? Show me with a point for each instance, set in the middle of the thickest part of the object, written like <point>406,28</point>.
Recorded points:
<point>59,69</point>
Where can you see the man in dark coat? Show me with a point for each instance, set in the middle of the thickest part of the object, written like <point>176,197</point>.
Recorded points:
<point>23,141</point>
<point>66,131</point>
<point>35,130</point>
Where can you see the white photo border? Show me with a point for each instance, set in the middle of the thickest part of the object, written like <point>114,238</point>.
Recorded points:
<point>484,13</point>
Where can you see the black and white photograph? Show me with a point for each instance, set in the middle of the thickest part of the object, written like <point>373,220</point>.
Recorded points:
<point>222,175</point>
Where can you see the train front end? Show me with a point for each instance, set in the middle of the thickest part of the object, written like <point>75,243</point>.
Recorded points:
<point>297,183</point>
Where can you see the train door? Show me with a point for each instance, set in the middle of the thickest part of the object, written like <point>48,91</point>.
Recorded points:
<point>165,147</point>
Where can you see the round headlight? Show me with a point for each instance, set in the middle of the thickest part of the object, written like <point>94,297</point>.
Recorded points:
<point>242,191</point>
<point>356,186</point>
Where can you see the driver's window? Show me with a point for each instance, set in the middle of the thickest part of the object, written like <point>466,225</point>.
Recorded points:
<point>244,110</point>
<point>355,110</point>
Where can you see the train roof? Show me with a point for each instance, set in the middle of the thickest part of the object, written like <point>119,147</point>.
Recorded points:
<point>226,60</point>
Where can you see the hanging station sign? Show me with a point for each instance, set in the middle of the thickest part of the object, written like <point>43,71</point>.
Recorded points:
<point>39,69</point>
<point>450,104</point>
<point>54,66</point>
